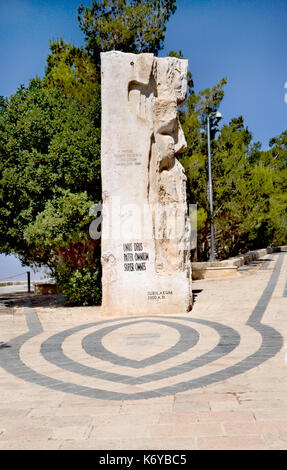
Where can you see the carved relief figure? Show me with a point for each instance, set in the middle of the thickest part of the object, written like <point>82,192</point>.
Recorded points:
<point>167,177</point>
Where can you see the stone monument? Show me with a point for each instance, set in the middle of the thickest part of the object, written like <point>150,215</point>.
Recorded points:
<point>145,228</point>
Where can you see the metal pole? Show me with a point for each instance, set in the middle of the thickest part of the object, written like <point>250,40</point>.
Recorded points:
<point>212,257</point>
<point>29,281</point>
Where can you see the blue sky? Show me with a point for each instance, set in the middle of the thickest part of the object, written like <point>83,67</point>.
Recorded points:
<point>243,40</point>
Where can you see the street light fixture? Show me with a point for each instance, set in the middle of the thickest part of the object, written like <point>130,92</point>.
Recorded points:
<point>218,115</point>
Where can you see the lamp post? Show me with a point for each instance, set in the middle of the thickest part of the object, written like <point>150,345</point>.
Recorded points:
<point>210,190</point>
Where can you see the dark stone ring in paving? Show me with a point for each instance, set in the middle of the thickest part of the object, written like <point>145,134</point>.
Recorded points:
<point>177,362</point>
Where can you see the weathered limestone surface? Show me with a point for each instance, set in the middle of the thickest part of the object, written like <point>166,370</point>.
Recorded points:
<point>146,227</point>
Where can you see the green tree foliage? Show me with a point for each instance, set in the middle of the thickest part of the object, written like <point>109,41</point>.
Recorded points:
<point>71,69</point>
<point>49,176</point>
<point>278,151</point>
<point>249,185</point>
<point>237,198</point>
<point>274,161</point>
<point>250,192</point>
<point>194,160</point>
<point>61,233</point>
<point>125,25</point>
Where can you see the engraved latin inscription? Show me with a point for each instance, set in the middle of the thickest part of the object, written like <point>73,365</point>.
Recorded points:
<point>128,158</point>
<point>135,257</point>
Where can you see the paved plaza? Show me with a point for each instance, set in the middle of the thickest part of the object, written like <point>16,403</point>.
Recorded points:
<point>215,378</point>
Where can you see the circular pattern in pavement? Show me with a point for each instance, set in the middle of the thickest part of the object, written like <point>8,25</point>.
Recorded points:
<point>52,351</point>
<point>142,357</point>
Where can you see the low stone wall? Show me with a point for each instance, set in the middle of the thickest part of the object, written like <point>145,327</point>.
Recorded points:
<point>40,287</point>
<point>44,288</point>
<point>13,283</point>
<point>201,271</point>
<point>229,267</point>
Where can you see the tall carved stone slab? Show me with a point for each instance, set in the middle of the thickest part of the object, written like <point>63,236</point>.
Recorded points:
<point>145,228</point>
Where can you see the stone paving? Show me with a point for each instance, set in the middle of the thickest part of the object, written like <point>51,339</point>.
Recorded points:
<point>215,378</point>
